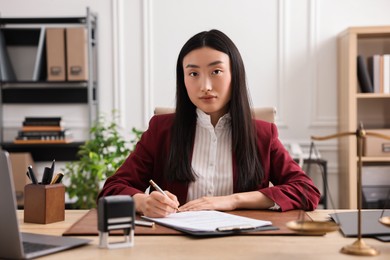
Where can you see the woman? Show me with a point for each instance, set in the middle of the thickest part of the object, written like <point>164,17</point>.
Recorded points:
<point>211,154</point>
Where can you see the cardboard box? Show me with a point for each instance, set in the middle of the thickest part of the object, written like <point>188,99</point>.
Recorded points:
<point>44,204</point>
<point>376,146</point>
<point>77,53</point>
<point>19,163</point>
<point>55,54</point>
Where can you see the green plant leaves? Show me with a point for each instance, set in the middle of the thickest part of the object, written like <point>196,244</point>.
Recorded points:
<point>99,157</point>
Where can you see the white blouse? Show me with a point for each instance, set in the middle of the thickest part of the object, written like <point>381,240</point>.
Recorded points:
<point>212,158</point>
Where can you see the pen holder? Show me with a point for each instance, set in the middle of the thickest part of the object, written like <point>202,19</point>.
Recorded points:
<point>44,204</point>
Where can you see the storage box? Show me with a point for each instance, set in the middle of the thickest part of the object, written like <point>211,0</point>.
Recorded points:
<point>55,54</point>
<point>77,53</point>
<point>376,146</point>
<point>44,204</point>
<point>19,163</point>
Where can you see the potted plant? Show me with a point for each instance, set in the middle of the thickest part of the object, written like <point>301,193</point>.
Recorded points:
<point>99,158</point>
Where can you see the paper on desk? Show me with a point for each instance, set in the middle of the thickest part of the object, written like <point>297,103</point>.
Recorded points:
<point>207,220</point>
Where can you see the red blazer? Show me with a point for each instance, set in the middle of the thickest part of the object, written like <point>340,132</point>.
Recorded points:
<point>148,159</point>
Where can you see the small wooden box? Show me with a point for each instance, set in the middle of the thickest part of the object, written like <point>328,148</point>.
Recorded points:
<point>44,204</point>
<point>376,146</point>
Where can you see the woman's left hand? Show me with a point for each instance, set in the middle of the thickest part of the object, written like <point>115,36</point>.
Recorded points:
<point>223,203</point>
<point>243,200</point>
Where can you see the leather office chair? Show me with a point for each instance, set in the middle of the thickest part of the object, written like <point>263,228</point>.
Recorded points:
<point>263,113</point>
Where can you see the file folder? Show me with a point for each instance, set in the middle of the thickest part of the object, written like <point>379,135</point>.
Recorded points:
<point>55,53</point>
<point>6,70</point>
<point>77,53</point>
<point>39,56</point>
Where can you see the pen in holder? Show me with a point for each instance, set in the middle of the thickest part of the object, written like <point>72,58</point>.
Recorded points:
<point>44,204</point>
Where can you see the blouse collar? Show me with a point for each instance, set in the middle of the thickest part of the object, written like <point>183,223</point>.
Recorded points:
<point>204,120</point>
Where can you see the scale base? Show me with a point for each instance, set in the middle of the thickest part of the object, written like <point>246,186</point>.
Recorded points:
<point>359,248</point>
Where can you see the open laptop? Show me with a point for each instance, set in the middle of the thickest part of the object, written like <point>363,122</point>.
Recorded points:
<point>13,243</point>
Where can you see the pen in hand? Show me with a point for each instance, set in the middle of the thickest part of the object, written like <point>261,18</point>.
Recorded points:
<point>160,190</point>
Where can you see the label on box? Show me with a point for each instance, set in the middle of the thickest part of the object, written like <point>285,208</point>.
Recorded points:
<point>386,148</point>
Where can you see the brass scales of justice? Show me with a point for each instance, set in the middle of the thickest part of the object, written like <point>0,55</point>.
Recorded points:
<point>359,247</point>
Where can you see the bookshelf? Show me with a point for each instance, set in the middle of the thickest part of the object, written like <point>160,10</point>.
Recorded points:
<point>28,76</point>
<point>354,107</point>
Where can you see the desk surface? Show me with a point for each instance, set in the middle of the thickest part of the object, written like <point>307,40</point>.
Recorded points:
<point>230,247</point>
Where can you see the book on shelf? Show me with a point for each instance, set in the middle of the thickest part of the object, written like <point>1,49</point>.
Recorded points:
<point>42,118</point>
<point>65,141</point>
<point>379,70</point>
<point>363,75</point>
<point>44,137</point>
<point>374,68</point>
<point>42,130</point>
<point>42,121</point>
<point>44,134</point>
<point>386,73</point>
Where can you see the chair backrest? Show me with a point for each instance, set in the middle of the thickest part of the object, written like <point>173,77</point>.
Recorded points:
<point>263,113</point>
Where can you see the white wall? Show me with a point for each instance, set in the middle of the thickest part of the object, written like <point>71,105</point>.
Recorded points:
<point>289,48</point>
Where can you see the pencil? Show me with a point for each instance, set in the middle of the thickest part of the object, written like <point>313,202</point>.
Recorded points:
<point>57,178</point>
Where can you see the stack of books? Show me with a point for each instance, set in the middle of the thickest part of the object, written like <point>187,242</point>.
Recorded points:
<point>43,130</point>
<point>374,73</point>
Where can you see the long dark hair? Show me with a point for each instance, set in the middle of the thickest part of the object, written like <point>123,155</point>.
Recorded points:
<point>244,145</point>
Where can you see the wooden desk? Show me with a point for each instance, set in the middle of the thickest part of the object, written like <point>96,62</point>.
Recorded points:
<point>231,247</point>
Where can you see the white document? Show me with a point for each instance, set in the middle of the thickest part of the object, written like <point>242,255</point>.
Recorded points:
<point>209,220</point>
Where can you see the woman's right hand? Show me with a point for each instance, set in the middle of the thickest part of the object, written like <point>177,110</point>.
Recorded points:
<point>156,204</point>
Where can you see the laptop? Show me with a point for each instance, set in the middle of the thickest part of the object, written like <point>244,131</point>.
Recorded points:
<point>13,243</point>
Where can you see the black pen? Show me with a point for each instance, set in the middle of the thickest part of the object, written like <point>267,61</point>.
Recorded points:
<point>52,167</point>
<point>47,176</point>
<point>32,175</point>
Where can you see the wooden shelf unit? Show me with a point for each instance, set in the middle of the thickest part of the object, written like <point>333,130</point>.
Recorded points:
<point>25,32</point>
<point>354,107</point>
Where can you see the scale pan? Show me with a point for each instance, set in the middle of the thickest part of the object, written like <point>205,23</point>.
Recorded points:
<point>312,227</point>
<point>385,221</point>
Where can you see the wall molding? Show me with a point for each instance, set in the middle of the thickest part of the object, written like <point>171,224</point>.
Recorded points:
<point>316,120</point>
<point>281,65</point>
<point>147,26</point>
<point>118,60</point>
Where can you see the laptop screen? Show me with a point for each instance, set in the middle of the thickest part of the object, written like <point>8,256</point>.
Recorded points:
<point>10,238</point>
